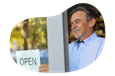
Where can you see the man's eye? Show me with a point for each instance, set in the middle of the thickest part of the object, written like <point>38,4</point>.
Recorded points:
<point>71,23</point>
<point>76,21</point>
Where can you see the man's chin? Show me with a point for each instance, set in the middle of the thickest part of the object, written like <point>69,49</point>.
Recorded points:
<point>77,37</point>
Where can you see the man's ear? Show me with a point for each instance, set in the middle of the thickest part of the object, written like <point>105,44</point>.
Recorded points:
<point>92,22</point>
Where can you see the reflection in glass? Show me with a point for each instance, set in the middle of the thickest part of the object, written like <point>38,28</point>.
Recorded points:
<point>30,34</point>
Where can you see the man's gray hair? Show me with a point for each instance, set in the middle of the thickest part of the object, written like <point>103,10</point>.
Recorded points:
<point>90,12</point>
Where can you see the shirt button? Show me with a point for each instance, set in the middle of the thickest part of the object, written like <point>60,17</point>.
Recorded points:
<point>77,56</point>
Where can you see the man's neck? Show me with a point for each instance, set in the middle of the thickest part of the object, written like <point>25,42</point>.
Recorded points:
<point>86,36</point>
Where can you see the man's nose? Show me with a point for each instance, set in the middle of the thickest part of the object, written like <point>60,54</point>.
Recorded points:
<point>73,26</point>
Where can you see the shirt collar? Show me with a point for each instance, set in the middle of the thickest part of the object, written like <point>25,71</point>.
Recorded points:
<point>88,40</point>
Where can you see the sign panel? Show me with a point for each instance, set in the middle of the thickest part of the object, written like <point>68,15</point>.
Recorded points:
<point>29,59</point>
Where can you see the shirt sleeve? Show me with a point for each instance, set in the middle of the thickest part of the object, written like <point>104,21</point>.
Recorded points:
<point>44,56</point>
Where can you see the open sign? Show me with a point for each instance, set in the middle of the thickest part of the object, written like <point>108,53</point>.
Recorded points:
<point>29,59</point>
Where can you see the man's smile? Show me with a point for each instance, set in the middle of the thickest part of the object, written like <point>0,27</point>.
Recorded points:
<point>75,30</point>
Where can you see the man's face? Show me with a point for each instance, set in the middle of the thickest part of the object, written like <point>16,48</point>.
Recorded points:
<point>79,25</point>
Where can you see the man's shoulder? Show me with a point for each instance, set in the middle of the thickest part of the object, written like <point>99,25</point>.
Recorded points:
<point>95,37</point>
<point>100,39</point>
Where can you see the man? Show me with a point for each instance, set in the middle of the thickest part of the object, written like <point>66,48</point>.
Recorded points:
<point>88,46</point>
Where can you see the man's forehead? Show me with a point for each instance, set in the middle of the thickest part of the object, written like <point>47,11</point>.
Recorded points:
<point>77,15</point>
